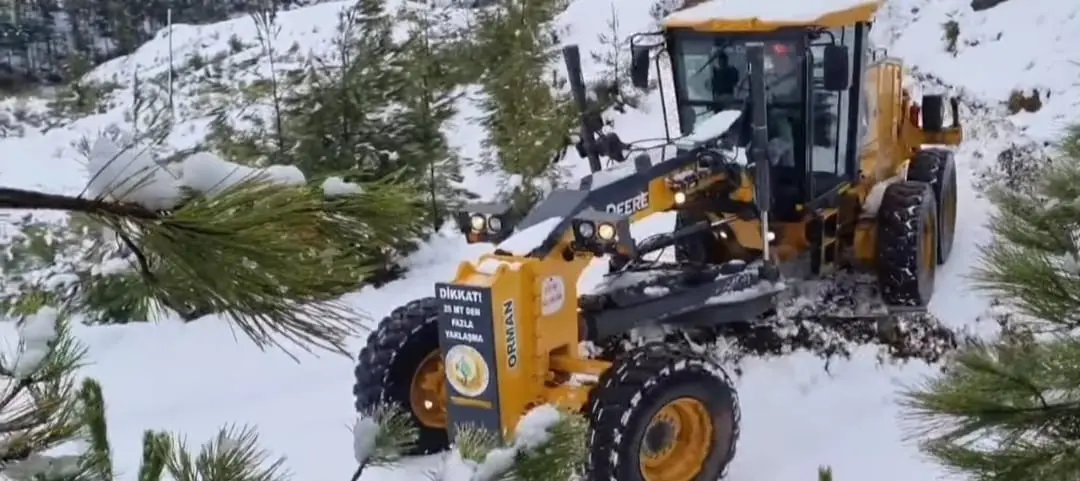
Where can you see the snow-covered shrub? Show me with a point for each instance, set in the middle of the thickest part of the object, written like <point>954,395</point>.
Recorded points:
<point>549,446</point>
<point>44,261</point>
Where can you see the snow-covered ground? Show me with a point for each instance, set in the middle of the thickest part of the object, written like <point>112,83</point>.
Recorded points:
<point>194,378</point>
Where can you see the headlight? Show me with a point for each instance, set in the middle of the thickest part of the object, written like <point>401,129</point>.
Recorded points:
<point>602,233</point>
<point>680,198</point>
<point>485,221</point>
<point>586,229</point>
<point>477,222</point>
<point>606,232</point>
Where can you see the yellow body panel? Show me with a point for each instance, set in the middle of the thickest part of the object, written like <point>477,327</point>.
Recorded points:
<point>540,341</point>
<point>699,18</point>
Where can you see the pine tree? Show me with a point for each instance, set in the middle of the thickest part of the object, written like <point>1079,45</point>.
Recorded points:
<point>612,89</point>
<point>337,124</point>
<point>1009,409</point>
<point>526,116</point>
<point>428,101</point>
<point>267,29</point>
<point>373,111</point>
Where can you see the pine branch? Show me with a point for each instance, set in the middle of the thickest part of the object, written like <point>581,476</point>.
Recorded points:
<point>234,454</point>
<point>1034,260</point>
<point>37,401</point>
<point>548,445</point>
<point>256,259</point>
<point>380,436</point>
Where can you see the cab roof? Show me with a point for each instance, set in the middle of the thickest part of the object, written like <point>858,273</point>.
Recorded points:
<point>769,15</point>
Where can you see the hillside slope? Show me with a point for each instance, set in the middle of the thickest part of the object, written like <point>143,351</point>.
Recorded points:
<point>195,378</point>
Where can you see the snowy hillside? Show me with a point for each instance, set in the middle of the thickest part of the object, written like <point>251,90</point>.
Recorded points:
<point>195,378</point>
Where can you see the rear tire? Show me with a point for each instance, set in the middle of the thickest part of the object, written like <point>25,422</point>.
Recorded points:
<point>937,167</point>
<point>907,244</point>
<point>399,351</point>
<point>662,408</point>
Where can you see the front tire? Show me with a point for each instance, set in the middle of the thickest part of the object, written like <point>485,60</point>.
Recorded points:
<point>907,244</point>
<point>401,366</point>
<point>662,413</point>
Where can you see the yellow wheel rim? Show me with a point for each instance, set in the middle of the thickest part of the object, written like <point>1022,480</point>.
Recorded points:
<point>677,442</point>
<point>950,211</point>
<point>929,246</point>
<point>427,392</point>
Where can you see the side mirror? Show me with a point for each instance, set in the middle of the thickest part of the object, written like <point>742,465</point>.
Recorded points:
<point>837,66</point>
<point>639,66</point>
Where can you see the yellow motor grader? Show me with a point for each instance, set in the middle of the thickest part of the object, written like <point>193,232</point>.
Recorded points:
<point>800,152</point>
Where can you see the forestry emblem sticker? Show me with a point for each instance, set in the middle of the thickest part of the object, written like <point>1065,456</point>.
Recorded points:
<point>467,371</point>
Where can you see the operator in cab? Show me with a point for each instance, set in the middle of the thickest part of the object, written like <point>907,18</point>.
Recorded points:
<point>717,80</point>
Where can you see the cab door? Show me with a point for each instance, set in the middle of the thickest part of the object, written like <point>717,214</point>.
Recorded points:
<point>829,120</point>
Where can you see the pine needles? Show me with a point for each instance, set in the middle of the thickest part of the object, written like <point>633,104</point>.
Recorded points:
<point>1009,409</point>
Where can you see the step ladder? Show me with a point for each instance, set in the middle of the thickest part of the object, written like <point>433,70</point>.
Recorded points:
<point>824,241</point>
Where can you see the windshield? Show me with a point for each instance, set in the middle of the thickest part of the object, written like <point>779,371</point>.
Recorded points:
<point>713,75</point>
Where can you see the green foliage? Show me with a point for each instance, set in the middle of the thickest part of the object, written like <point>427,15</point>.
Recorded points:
<point>38,406</point>
<point>45,410</point>
<point>82,98</point>
<point>43,263</point>
<point>951,35</point>
<point>560,456</point>
<point>527,119</point>
<point>1033,263</point>
<point>824,473</point>
<point>372,111</point>
<point>1008,409</point>
<point>552,450</point>
<point>265,255</point>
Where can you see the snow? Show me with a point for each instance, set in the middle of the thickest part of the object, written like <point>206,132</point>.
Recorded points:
<point>762,288</point>
<point>209,174</point>
<point>126,174</point>
<point>336,187</point>
<point>524,241</point>
<point>711,128</point>
<point>365,432</point>
<point>121,172</point>
<point>193,378</point>
<point>37,333</point>
<point>778,11</point>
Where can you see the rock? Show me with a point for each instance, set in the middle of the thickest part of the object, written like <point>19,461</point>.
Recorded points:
<point>980,5</point>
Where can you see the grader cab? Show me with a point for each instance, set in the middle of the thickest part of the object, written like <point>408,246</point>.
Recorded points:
<point>800,154</point>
